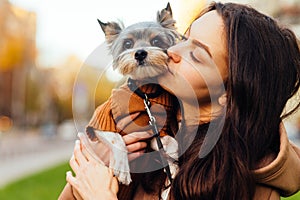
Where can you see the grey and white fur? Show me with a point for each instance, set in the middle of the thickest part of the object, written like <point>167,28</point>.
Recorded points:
<point>139,51</point>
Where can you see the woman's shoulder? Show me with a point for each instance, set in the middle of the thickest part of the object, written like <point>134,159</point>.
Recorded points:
<point>265,193</point>
<point>281,171</point>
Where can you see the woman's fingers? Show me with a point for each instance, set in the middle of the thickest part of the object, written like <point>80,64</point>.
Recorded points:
<point>122,123</point>
<point>115,185</point>
<point>87,150</point>
<point>136,146</point>
<point>79,157</point>
<point>73,164</point>
<point>94,182</point>
<point>136,136</point>
<point>75,183</point>
<point>132,156</point>
<point>70,178</point>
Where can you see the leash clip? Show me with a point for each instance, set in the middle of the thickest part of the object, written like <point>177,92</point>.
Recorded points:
<point>152,121</point>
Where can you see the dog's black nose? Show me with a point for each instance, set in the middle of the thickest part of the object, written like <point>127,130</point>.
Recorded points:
<point>140,55</point>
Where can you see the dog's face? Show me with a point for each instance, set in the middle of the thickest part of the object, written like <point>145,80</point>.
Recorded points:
<point>139,50</point>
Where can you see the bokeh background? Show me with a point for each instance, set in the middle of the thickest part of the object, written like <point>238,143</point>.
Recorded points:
<point>52,77</point>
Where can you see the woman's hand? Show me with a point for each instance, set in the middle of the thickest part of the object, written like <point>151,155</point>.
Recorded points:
<point>93,179</point>
<point>135,142</point>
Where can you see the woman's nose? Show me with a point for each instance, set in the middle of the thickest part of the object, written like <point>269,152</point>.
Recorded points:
<point>174,55</point>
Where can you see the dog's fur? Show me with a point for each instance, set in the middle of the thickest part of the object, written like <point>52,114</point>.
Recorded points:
<point>152,37</point>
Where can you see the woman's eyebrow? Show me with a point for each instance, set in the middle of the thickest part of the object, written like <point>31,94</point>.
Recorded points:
<point>201,45</point>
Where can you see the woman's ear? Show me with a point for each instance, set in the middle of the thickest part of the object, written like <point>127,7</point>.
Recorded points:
<point>223,99</point>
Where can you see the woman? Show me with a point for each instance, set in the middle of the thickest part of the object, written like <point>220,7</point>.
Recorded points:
<point>242,68</point>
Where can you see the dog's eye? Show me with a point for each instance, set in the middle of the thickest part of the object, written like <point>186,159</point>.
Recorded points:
<point>127,44</point>
<point>157,42</point>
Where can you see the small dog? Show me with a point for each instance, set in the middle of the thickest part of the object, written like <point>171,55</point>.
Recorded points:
<point>139,52</point>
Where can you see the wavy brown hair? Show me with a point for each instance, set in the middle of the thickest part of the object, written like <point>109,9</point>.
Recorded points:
<point>264,73</point>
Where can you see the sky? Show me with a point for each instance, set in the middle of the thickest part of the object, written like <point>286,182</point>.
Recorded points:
<point>70,27</point>
<point>66,27</point>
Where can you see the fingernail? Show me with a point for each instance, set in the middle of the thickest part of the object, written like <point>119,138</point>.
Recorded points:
<point>77,142</point>
<point>68,173</point>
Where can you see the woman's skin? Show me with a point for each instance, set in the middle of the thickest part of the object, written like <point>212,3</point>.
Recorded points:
<point>199,63</point>
<point>196,63</point>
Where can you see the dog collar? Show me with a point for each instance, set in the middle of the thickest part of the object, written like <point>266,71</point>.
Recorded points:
<point>134,88</point>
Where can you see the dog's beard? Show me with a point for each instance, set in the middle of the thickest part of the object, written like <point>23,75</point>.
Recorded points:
<point>155,64</point>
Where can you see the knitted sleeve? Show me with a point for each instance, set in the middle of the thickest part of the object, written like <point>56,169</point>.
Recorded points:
<point>103,118</point>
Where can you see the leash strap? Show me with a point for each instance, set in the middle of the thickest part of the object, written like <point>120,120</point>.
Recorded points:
<point>152,123</point>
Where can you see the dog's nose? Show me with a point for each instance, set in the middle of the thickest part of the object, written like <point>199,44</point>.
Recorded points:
<point>140,55</point>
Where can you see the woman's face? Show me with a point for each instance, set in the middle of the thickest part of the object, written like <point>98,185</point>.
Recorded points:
<point>199,65</point>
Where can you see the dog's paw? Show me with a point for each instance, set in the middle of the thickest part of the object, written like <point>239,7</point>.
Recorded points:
<point>91,133</point>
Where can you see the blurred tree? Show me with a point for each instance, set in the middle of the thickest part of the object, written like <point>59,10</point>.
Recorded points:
<point>17,56</point>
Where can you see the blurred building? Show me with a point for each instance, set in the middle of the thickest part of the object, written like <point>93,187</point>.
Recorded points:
<point>17,59</point>
<point>289,13</point>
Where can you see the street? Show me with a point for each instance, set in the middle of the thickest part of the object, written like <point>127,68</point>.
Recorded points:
<point>22,154</point>
<point>28,153</point>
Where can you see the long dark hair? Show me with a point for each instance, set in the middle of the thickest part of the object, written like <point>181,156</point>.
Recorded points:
<point>263,73</point>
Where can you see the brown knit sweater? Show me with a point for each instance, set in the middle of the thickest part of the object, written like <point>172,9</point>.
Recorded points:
<point>123,102</point>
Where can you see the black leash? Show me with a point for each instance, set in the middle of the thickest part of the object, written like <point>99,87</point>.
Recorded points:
<point>152,121</point>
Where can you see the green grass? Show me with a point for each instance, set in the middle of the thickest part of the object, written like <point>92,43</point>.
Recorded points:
<point>45,185</point>
<point>294,197</point>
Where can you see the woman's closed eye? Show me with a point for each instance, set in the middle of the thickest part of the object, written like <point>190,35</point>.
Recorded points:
<point>196,55</point>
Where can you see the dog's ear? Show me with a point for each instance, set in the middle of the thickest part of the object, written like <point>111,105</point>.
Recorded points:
<point>111,30</point>
<point>165,18</point>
